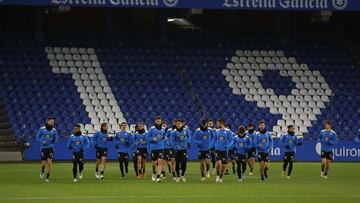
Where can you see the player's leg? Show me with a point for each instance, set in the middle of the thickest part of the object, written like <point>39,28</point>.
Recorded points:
<point>323,164</point>
<point>49,168</point>
<point>159,168</point>
<point>102,166</point>
<point>291,162</point>
<point>285,163</point>
<point>177,165</point>
<point>43,167</point>
<point>262,168</point>
<point>243,167</point>
<point>183,164</point>
<point>121,164</point>
<point>213,160</point>
<point>81,166</point>
<point>134,160</point>
<point>202,169</point>
<point>238,168</point>
<point>223,169</point>
<point>207,165</point>
<point>74,169</point>
<point>139,166</point>
<point>266,168</point>
<point>328,160</point>
<point>126,162</point>
<point>143,166</point>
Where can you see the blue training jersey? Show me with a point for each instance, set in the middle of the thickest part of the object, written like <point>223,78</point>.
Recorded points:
<point>46,138</point>
<point>78,143</point>
<point>169,139</point>
<point>263,142</point>
<point>251,136</point>
<point>123,142</point>
<point>328,140</point>
<point>289,142</point>
<point>203,138</point>
<point>140,140</point>
<point>156,138</point>
<point>242,144</point>
<point>231,147</point>
<point>223,139</point>
<point>101,140</point>
<point>182,139</point>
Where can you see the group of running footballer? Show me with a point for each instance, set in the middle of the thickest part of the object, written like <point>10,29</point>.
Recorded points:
<point>168,146</point>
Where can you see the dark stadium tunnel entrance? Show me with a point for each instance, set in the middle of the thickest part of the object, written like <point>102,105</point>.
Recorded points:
<point>282,85</point>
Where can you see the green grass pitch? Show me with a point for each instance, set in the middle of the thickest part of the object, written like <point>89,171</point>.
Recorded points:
<point>20,183</point>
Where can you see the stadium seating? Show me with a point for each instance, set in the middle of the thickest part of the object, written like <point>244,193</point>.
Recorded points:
<point>112,81</point>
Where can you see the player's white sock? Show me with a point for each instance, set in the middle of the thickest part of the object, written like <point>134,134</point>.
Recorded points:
<point>321,174</point>
<point>81,175</point>
<point>75,180</point>
<point>97,175</point>
<point>42,174</point>
<point>177,180</point>
<point>153,177</point>
<point>208,174</point>
<point>158,180</point>
<point>213,171</point>
<point>217,179</point>
<point>220,180</point>
<point>282,173</point>
<point>183,179</point>
<point>243,176</point>
<point>101,176</point>
<point>250,174</point>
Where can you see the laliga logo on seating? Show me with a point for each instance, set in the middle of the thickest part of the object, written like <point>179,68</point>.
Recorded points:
<point>171,3</point>
<point>339,4</point>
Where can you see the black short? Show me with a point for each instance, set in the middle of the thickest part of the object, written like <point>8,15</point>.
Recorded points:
<point>123,156</point>
<point>241,157</point>
<point>100,152</point>
<point>327,155</point>
<point>78,158</point>
<point>232,154</point>
<point>289,156</point>
<point>142,152</point>
<point>221,156</point>
<point>47,153</point>
<point>204,154</point>
<point>263,156</point>
<point>157,154</point>
<point>169,154</point>
<point>251,153</point>
<point>179,154</point>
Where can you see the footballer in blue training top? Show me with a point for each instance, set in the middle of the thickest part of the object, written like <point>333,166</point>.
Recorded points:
<point>328,139</point>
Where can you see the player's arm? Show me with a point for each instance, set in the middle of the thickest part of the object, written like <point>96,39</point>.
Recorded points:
<point>320,137</point>
<point>188,139</point>
<point>55,137</point>
<point>95,139</point>
<point>39,136</point>
<point>334,139</point>
<point>87,142</point>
